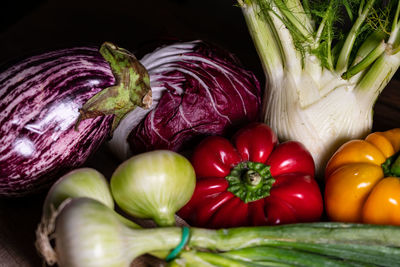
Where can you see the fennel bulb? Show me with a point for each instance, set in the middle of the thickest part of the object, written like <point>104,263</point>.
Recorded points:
<point>322,82</point>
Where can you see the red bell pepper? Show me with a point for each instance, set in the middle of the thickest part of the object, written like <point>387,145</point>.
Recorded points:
<point>252,181</point>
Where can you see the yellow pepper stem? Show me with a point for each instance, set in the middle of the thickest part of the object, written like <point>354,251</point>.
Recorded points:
<point>391,167</point>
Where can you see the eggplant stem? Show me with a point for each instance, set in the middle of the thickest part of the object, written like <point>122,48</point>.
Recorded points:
<point>132,88</point>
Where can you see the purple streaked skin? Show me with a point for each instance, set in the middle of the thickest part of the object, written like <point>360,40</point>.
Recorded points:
<point>40,99</point>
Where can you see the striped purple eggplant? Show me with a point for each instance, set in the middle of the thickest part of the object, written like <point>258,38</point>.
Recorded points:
<point>41,99</point>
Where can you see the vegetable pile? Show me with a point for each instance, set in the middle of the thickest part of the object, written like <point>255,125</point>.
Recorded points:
<point>53,106</point>
<point>222,182</point>
<point>87,231</point>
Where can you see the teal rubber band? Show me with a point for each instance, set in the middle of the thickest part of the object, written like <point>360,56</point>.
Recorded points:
<point>180,246</point>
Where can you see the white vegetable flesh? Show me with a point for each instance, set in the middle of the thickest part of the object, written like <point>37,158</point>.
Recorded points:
<point>321,104</point>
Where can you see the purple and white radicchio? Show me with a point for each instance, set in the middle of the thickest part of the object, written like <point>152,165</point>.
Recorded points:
<point>198,90</point>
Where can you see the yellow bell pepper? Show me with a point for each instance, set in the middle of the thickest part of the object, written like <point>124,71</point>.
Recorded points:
<point>362,181</point>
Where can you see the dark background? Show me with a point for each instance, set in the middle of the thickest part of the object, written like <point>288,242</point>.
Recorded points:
<point>35,26</point>
<point>47,24</point>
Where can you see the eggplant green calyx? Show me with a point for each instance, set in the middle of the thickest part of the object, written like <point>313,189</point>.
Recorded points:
<point>391,167</point>
<point>131,89</point>
<point>250,181</point>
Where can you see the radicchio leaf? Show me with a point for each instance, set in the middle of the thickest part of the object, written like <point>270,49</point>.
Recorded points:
<point>198,89</point>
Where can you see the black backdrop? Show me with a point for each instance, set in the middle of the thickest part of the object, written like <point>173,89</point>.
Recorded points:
<point>49,24</point>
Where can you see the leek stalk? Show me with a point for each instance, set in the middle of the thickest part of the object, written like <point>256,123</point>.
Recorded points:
<point>88,233</point>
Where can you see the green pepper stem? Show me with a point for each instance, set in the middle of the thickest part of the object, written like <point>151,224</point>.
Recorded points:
<point>391,167</point>
<point>253,178</point>
<point>250,181</point>
<point>395,169</point>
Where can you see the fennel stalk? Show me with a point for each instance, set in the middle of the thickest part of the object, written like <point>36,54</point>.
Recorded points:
<point>322,82</point>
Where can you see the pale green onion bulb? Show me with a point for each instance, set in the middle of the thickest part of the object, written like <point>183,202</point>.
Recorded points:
<point>154,185</point>
<point>89,234</point>
<point>83,182</point>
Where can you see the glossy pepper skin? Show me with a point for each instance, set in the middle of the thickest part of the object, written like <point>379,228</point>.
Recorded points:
<point>362,180</point>
<point>252,180</point>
